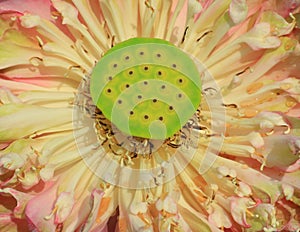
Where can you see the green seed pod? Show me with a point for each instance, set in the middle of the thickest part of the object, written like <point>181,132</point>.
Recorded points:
<point>146,87</point>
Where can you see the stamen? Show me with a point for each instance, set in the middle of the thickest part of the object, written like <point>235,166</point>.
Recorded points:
<point>184,34</point>
<point>148,5</point>
<point>202,36</point>
<point>112,43</point>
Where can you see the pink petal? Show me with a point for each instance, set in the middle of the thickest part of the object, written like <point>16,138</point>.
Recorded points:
<point>21,198</point>
<point>40,7</point>
<point>41,206</point>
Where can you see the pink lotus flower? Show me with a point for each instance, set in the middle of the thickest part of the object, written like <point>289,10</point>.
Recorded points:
<point>233,166</point>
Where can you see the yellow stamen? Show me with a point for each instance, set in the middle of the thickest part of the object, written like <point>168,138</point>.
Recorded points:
<point>254,87</point>
<point>290,102</point>
<point>102,208</point>
<point>286,86</point>
<point>249,112</point>
<point>259,100</point>
<point>48,217</point>
<point>122,225</point>
<point>250,213</point>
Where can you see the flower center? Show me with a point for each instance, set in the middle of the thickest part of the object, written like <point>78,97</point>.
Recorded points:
<point>146,87</point>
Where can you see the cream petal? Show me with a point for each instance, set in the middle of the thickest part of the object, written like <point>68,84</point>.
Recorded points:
<point>22,55</point>
<point>91,19</point>
<point>70,17</point>
<point>195,220</point>
<point>275,146</point>
<point>211,15</point>
<point>288,191</point>
<point>95,202</point>
<point>19,121</point>
<point>11,161</point>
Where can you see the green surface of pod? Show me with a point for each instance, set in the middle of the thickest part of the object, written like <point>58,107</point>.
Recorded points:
<point>147,88</point>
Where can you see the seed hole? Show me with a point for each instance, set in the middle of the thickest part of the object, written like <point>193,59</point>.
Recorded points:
<point>158,55</point>
<point>154,100</point>
<point>131,112</point>
<point>159,73</point>
<point>180,81</point>
<point>127,85</point>
<point>130,72</point>
<point>174,65</point>
<point>140,96</point>
<point>163,86</point>
<point>115,65</point>
<point>161,118</point>
<point>110,78</point>
<point>120,101</point>
<point>180,95</point>
<point>171,108</point>
<point>142,53</point>
<point>146,116</point>
<point>127,58</point>
<point>145,82</point>
<point>109,90</point>
<point>146,68</point>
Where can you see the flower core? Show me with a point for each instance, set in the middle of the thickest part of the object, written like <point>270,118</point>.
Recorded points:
<point>146,87</point>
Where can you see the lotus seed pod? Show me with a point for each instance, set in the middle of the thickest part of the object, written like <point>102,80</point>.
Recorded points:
<point>147,88</point>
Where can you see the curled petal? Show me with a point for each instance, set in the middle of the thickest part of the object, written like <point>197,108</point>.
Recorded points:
<point>238,10</point>
<point>278,145</point>
<point>238,210</point>
<point>259,37</point>
<point>219,217</point>
<point>40,207</point>
<point>63,206</point>
<point>279,26</point>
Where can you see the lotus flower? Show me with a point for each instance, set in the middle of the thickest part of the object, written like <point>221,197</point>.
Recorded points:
<point>233,165</point>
